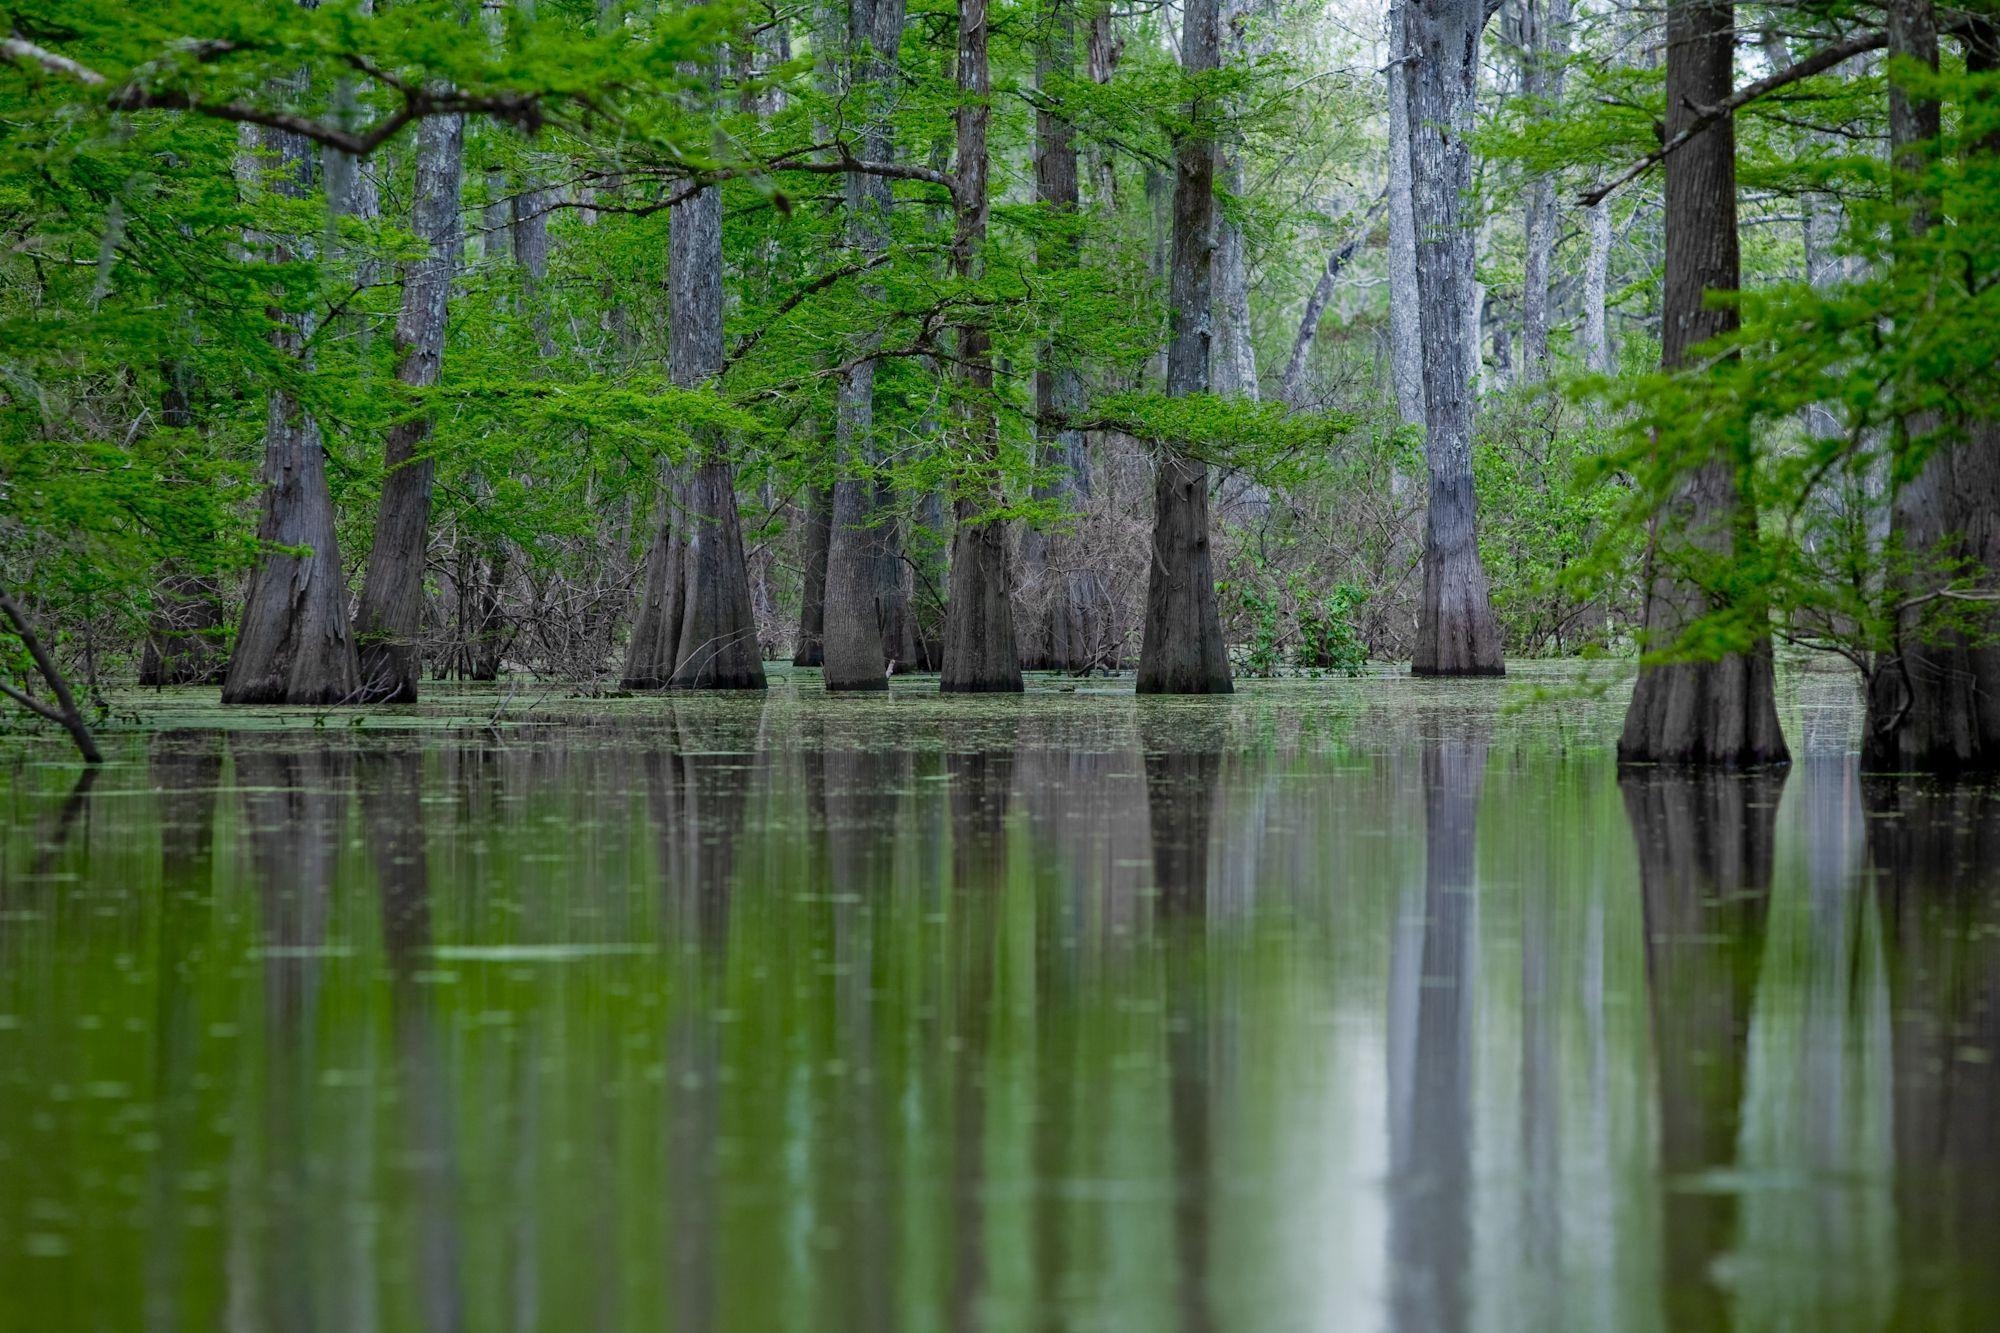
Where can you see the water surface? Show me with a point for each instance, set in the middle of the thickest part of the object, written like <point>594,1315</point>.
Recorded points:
<point>1335,1006</point>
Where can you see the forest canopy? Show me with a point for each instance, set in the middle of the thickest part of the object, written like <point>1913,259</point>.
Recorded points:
<point>633,345</point>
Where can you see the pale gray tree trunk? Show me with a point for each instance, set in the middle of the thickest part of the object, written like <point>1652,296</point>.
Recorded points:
<point>1456,632</point>
<point>1183,651</point>
<point>293,645</point>
<point>1720,713</point>
<point>1293,390</point>
<point>1406,357</point>
<point>392,592</point>
<point>1545,46</point>
<point>979,649</point>
<point>1596,289</point>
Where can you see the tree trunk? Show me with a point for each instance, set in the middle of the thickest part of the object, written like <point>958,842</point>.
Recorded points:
<point>1183,651</point>
<point>293,645</point>
<point>1293,391</point>
<point>1059,629</point>
<point>864,617</point>
<point>1406,336</point>
<point>1719,713</point>
<point>1545,42</point>
<point>1596,290</point>
<point>979,651</point>
<point>698,556</point>
<point>392,594</point>
<point>809,650</point>
<point>1934,695</point>
<point>1456,634</point>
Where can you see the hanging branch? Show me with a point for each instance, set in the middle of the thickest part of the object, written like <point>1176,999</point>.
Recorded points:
<point>65,713</point>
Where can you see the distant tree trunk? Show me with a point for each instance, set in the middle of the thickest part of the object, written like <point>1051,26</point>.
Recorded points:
<point>865,614</point>
<point>183,634</point>
<point>1720,713</point>
<point>392,594</point>
<point>979,617</point>
<point>698,555</point>
<point>979,650</point>
<point>1183,651</point>
<point>1934,695</point>
<point>1456,633</point>
<point>1060,632</point>
<point>1545,39</point>
<point>1406,335</point>
<point>1293,391</point>
<point>809,651</point>
<point>293,645</point>
<point>1597,288</point>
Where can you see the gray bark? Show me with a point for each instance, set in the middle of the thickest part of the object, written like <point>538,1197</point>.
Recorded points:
<point>1183,651</point>
<point>1934,694</point>
<point>809,650</point>
<point>866,614</point>
<point>1456,633</point>
<point>1406,338</point>
<point>697,567</point>
<point>392,593</point>
<point>1062,629</point>
<point>292,644</point>
<point>1545,42</point>
<point>1293,391</point>
<point>1596,289</point>
<point>979,649</point>
<point>1720,713</point>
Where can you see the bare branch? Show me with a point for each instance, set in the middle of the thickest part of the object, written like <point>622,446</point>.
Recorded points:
<point>17,49</point>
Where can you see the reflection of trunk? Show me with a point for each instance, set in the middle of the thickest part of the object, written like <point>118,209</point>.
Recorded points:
<point>1720,712</point>
<point>1181,775</point>
<point>392,596</point>
<point>1934,696</point>
<point>1704,847</point>
<point>1183,651</point>
<point>695,629</point>
<point>979,649</point>
<point>293,644</point>
<point>698,793</point>
<point>185,768</point>
<point>1933,848</point>
<point>808,651</point>
<point>392,826</point>
<point>982,785</point>
<point>295,810</point>
<point>1430,1083</point>
<point>1456,633</point>
<point>854,793</point>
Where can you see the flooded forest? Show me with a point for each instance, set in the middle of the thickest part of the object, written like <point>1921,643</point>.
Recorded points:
<point>999,665</point>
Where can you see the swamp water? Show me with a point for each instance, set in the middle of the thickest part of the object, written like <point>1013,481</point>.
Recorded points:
<point>1345,1005</point>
